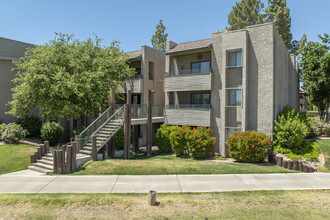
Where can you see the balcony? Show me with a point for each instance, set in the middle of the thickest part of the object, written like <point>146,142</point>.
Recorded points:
<point>187,80</point>
<point>182,114</point>
<point>134,84</point>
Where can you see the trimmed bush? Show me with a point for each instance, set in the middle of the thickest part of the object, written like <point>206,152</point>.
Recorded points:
<point>178,139</point>
<point>162,139</point>
<point>200,143</point>
<point>321,128</point>
<point>52,132</point>
<point>249,146</point>
<point>2,129</point>
<point>31,124</point>
<point>308,150</point>
<point>290,131</point>
<point>13,133</point>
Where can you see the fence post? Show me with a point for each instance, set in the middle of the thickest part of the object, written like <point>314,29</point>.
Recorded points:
<point>295,165</point>
<point>69,158</point>
<point>94,148</point>
<point>301,168</point>
<point>74,156</point>
<point>36,154</point>
<point>79,143</point>
<point>290,164</point>
<point>43,150</point>
<point>63,158</point>
<point>46,143</point>
<point>59,161</point>
<point>39,153</point>
<point>54,161</point>
<point>33,158</point>
<point>279,161</point>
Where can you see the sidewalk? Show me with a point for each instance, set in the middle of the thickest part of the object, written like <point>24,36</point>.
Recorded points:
<point>164,183</point>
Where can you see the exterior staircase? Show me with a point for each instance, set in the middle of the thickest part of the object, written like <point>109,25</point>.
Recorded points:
<point>103,136</point>
<point>43,165</point>
<point>104,128</point>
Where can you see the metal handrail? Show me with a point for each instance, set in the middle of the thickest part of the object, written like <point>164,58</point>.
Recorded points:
<point>112,116</point>
<point>189,106</point>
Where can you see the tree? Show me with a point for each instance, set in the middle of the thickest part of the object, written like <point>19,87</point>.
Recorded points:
<point>67,77</point>
<point>295,45</point>
<point>279,13</point>
<point>245,13</point>
<point>314,63</point>
<point>159,39</point>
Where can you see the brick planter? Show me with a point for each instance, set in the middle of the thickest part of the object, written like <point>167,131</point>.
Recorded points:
<point>290,164</point>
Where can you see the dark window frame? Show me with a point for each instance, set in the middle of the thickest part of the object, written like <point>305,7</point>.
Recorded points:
<point>191,69</point>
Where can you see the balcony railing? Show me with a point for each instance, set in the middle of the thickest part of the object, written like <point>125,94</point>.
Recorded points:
<point>189,106</point>
<point>186,72</point>
<point>140,111</point>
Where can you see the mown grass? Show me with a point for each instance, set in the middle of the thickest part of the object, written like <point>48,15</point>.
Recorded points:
<point>325,146</point>
<point>170,164</point>
<point>15,157</point>
<point>226,205</point>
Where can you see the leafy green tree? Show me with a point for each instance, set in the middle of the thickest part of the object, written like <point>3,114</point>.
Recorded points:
<point>295,45</point>
<point>278,12</point>
<point>246,13</point>
<point>159,39</point>
<point>314,63</point>
<point>67,77</point>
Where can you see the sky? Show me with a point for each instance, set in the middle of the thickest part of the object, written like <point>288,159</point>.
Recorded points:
<point>133,22</point>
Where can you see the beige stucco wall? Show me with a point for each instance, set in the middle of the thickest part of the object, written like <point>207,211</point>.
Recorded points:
<point>9,50</point>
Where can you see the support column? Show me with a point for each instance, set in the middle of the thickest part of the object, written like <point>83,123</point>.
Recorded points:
<point>135,130</point>
<point>127,127</point>
<point>111,143</point>
<point>94,148</point>
<point>149,128</point>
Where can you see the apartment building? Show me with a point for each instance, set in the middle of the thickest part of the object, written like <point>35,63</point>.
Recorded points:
<point>146,85</point>
<point>234,81</point>
<point>10,50</point>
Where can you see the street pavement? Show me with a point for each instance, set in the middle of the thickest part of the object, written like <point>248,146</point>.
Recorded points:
<point>33,183</point>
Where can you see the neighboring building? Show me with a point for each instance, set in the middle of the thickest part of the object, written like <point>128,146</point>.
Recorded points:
<point>148,81</point>
<point>303,101</point>
<point>10,50</point>
<point>236,80</point>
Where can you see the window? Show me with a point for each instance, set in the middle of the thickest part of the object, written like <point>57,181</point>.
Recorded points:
<point>200,67</point>
<point>234,97</point>
<point>138,71</point>
<point>151,70</point>
<point>200,98</point>
<point>234,59</point>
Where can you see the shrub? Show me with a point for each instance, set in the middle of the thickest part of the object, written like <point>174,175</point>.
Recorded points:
<point>178,139</point>
<point>119,139</point>
<point>308,150</point>
<point>249,146</point>
<point>52,132</point>
<point>13,133</point>
<point>321,128</point>
<point>290,131</point>
<point>162,139</point>
<point>31,124</point>
<point>2,129</point>
<point>200,142</point>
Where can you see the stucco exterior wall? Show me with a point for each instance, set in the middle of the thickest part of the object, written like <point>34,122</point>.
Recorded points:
<point>260,78</point>
<point>9,50</point>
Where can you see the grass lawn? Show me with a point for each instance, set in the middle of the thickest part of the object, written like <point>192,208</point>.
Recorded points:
<point>227,205</point>
<point>15,157</point>
<point>169,164</point>
<point>325,146</point>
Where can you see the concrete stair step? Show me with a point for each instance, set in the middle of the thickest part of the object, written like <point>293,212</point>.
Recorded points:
<point>88,152</point>
<point>47,162</point>
<point>40,169</point>
<point>43,165</point>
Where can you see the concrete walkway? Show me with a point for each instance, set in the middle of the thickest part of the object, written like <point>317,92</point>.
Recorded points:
<point>166,183</point>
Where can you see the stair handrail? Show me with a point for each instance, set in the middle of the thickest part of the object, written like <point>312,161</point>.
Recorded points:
<point>86,134</point>
<point>106,122</point>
